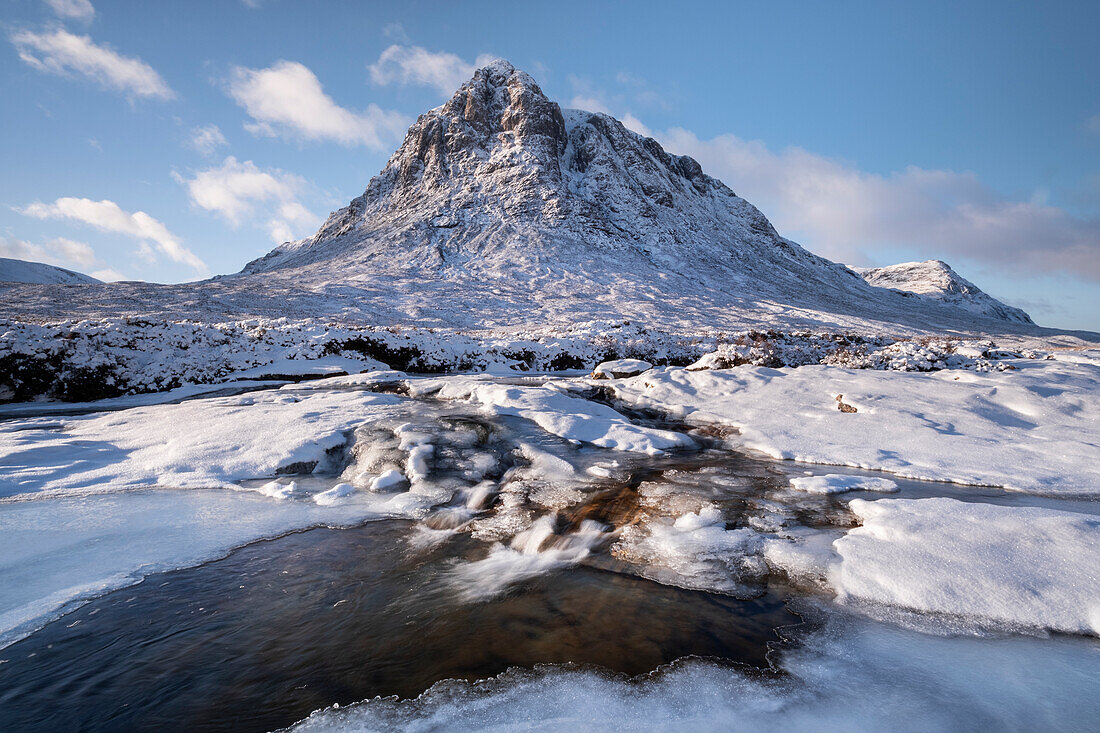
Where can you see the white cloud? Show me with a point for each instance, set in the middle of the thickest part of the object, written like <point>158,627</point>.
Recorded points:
<point>61,252</point>
<point>72,9</point>
<point>61,52</point>
<point>589,104</point>
<point>415,65</point>
<point>287,99</point>
<point>396,31</point>
<point>241,191</point>
<point>844,213</point>
<point>207,139</point>
<point>595,104</point>
<point>591,98</point>
<point>107,216</point>
<point>631,122</point>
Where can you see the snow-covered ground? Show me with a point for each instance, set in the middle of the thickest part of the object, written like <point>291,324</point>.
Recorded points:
<point>1033,427</point>
<point>1025,566</point>
<point>95,501</point>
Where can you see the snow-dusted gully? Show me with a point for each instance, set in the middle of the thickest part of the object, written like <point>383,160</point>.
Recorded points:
<point>465,525</point>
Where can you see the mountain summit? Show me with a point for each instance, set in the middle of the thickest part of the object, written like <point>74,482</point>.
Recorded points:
<point>500,208</point>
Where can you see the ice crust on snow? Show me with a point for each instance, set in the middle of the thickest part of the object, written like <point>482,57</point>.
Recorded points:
<point>834,483</point>
<point>693,551</point>
<point>1034,428</point>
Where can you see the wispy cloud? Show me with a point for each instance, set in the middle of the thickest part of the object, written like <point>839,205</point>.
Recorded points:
<point>591,98</point>
<point>107,216</point>
<point>207,139</point>
<point>81,10</point>
<point>287,99</point>
<point>846,213</point>
<point>1092,124</point>
<point>590,104</point>
<point>63,53</point>
<point>405,65</point>
<point>241,191</point>
<point>62,252</point>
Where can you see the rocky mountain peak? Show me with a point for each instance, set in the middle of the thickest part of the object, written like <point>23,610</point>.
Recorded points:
<point>499,202</point>
<point>501,147</point>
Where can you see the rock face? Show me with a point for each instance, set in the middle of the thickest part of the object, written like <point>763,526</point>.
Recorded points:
<point>22,271</point>
<point>934,280</point>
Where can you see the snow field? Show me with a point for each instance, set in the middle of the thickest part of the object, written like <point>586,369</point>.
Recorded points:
<point>1034,428</point>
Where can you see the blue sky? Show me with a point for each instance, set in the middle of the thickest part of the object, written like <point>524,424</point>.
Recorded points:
<point>167,142</point>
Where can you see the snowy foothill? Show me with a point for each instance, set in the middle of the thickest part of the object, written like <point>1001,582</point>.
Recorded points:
<point>1034,427</point>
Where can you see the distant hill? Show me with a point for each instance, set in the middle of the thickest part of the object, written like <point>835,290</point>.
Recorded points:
<point>936,281</point>
<point>22,271</point>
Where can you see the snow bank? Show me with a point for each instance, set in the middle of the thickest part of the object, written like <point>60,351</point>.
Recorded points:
<point>835,483</point>
<point>201,443</point>
<point>1029,567</point>
<point>559,414</point>
<point>1034,428</point>
<point>620,368</point>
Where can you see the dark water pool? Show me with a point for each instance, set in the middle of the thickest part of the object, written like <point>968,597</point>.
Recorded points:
<point>280,628</point>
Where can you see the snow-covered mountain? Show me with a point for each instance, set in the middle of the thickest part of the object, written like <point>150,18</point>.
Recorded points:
<point>500,210</point>
<point>23,271</point>
<point>936,281</point>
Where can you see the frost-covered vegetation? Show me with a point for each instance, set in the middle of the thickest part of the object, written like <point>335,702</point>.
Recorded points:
<point>86,360</point>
